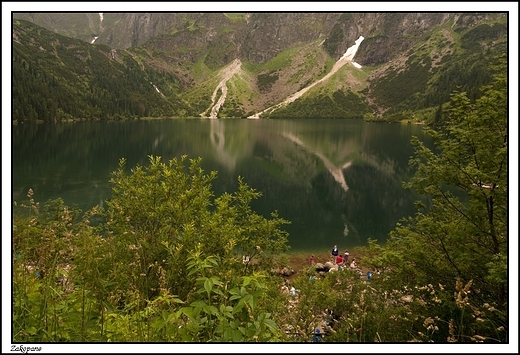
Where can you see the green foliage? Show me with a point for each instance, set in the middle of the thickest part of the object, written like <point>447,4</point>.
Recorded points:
<point>485,33</point>
<point>220,53</point>
<point>465,74</point>
<point>230,309</point>
<point>396,87</point>
<point>347,308</point>
<point>266,80</point>
<point>462,233</point>
<point>238,89</point>
<point>334,39</point>
<point>45,271</point>
<point>389,308</point>
<point>232,109</point>
<point>162,213</point>
<point>340,104</point>
<point>163,241</point>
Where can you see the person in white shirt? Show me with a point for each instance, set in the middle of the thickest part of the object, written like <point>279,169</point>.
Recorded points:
<point>353,264</point>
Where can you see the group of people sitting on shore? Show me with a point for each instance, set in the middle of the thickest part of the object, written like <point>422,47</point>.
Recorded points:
<point>342,259</point>
<point>337,263</point>
<point>337,258</point>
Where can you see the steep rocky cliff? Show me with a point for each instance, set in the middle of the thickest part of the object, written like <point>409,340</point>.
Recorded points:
<point>256,37</point>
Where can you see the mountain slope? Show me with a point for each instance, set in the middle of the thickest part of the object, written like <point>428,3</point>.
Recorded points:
<point>176,64</point>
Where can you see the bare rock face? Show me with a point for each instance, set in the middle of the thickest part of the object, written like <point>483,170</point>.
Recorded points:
<point>397,33</point>
<point>254,37</point>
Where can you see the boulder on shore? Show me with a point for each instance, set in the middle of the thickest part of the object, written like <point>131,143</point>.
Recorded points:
<point>320,267</point>
<point>329,265</point>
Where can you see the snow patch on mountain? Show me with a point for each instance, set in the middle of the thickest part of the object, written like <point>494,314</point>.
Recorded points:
<point>351,51</point>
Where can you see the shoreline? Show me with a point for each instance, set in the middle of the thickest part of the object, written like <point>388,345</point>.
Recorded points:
<point>299,260</point>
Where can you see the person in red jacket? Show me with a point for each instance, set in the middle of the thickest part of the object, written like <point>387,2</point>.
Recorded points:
<point>339,259</point>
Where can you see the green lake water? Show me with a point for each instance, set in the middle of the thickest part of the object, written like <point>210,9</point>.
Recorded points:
<point>337,181</point>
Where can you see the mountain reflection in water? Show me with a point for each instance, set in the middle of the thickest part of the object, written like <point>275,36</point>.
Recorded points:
<point>337,181</point>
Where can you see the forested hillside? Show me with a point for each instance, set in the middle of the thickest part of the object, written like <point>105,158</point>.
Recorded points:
<point>446,61</point>
<point>60,78</point>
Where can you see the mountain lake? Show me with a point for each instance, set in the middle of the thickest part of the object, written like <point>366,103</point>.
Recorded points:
<point>337,181</point>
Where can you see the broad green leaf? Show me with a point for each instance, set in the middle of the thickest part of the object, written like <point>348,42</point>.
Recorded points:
<point>208,285</point>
